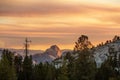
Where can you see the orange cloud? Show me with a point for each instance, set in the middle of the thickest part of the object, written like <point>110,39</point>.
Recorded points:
<point>57,21</point>
<point>53,7</point>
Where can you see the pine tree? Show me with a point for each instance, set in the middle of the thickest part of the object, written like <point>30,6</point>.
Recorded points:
<point>18,67</point>
<point>50,75</point>
<point>7,71</point>
<point>82,43</point>
<point>105,72</point>
<point>27,68</point>
<point>63,70</point>
<point>70,66</point>
<point>38,72</point>
<point>85,67</point>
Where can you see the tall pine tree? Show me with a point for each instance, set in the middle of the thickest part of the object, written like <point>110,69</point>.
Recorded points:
<point>85,66</point>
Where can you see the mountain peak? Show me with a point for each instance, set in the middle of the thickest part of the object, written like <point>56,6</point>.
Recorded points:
<point>54,50</point>
<point>55,47</point>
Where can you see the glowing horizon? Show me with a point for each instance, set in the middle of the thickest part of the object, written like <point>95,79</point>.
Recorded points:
<point>60,22</point>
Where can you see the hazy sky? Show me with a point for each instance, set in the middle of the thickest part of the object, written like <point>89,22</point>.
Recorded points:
<point>60,22</point>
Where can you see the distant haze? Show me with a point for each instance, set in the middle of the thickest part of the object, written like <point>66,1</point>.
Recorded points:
<point>60,22</point>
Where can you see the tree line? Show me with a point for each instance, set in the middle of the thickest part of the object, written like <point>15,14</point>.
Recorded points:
<point>78,65</point>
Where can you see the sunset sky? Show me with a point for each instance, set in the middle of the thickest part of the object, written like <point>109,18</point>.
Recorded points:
<point>60,22</point>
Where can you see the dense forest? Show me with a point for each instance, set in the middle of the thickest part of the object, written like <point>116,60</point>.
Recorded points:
<point>80,65</point>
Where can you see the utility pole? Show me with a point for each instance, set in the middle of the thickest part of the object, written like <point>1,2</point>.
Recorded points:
<point>27,44</point>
